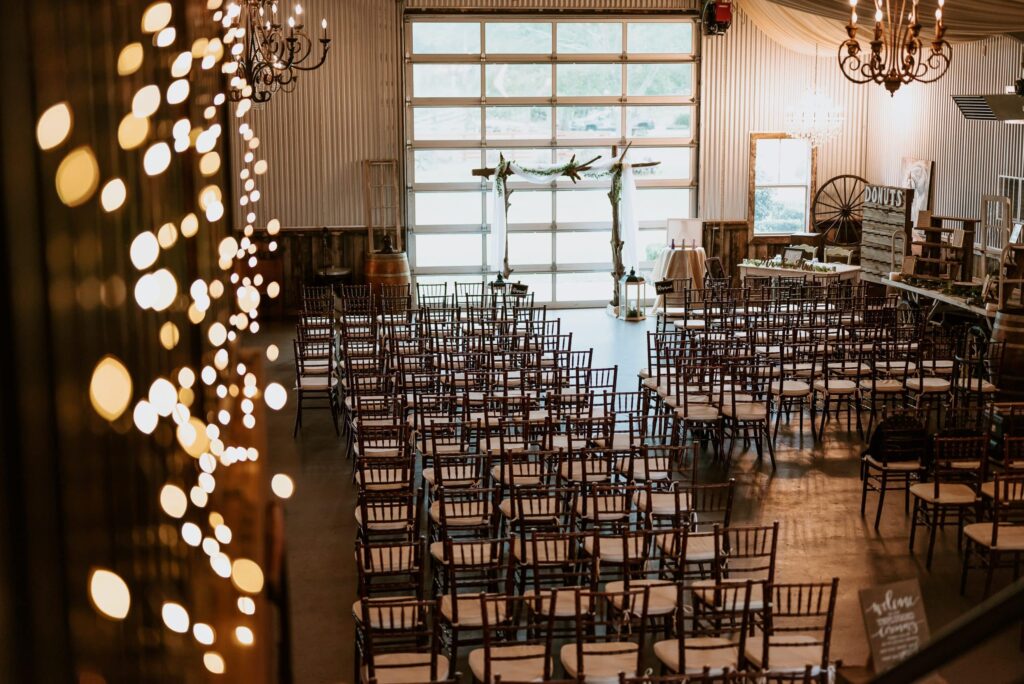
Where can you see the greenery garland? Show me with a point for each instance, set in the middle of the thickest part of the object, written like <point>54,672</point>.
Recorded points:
<point>793,265</point>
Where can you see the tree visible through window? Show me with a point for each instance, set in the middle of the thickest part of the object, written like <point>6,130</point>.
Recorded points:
<point>782,180</point>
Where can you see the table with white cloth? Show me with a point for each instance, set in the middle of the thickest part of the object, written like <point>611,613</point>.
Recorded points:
<point>679,262</point>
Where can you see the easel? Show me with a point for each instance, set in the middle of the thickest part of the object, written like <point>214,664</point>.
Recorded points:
<point>572,173</point>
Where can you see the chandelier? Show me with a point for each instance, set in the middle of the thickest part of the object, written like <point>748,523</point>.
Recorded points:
<point>898,55</point>
<point>272,53</point>
<point>815,117</point>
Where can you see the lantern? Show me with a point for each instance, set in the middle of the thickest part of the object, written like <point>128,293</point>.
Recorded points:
<point>632,297</point>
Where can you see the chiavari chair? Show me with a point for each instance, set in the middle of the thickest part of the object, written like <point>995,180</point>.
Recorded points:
<point>387,516</point>
<point>799,365</point>
<point>316,381</point>
<point>797,628</point>
<point>432,295</point>
<point>516,647</point>
<point>742,553</point>
<point>746,405</point>
<point>399,641</point>
<point>708,643</point>
<point>608,641</point>
<point>894,459</point>
<point>466,570</point>
<point>837,385</point>
<point>998,542</point>
<point>463,512</point>
<point>388,570</point>
<point>956,472</point>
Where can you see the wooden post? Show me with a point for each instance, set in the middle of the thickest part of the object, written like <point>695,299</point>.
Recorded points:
<point>618,269</point>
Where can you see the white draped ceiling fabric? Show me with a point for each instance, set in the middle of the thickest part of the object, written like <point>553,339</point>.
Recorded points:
<point>802,24</point>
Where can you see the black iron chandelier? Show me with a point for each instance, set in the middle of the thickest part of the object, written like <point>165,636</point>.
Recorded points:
<point>270,51</point>
<point>897,55</point>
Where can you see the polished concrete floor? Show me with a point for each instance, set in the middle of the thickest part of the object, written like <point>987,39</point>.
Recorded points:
<point>814,494</point>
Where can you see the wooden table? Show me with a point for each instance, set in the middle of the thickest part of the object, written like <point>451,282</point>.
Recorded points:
<point>938,298</point>
<point>845,272</point>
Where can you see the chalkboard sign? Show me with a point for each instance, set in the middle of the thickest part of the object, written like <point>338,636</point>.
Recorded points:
<point>664,287</point>
<point>895,621</point>
<point>519,288</point>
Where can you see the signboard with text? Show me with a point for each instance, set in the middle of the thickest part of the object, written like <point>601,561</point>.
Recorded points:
<point>895,621</point>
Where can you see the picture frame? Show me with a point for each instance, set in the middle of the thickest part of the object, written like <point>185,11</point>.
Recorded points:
<point>793,255</point>
<point>987,286</point>
<point>909,265</point>
<point>1017,233</point>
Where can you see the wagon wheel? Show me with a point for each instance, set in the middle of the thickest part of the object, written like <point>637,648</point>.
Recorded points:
<point>838,210</point>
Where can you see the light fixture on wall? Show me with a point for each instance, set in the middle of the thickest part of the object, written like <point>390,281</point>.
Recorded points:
<point>270,51</point>
<point>815,118</point>
<point>897,53</point>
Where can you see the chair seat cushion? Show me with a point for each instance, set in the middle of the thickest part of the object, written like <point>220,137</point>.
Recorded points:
<point>700,548</point>
<point>662,503</point>
<point>791,388</point>
<point>531,551</point>
<point>464,553</point>
<point>611,549</point>
<point>715,653</point>
<point>747,411</point>
<point>536,509</point>
<point>602,661</point>
<point>406,668</point>
<point>384,519</point>
<point>521,473</point>
<point>880,386</point>
<point>661,598</point>
<point>591,470</point>
<point>975,385</point>
<point>902,466</point>
<point>928,385</point>
<point>638,466</point>
<point>1010,538</point>
<point>453,476</point>
<point>465,516</point>
<point>949,494</point>
<point>520,663</point>
<point>703,591</point>
<point>392,617</point>
<point>788,653</point>
<point>702,413</point>
<point>836,386</point>
<point>470,610</point>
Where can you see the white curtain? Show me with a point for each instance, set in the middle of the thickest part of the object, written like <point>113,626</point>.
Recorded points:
<point>629,227</point>
<point>802,24</point>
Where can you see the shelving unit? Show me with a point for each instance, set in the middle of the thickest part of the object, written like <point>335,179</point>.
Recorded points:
<point>946,250</point>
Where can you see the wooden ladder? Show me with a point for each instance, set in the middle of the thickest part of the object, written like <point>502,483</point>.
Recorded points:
<point>381,203</point>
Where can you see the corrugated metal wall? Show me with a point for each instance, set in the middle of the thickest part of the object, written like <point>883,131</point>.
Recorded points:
<point>747,81</point>
<point>347,111</point>
<point>922,121</point>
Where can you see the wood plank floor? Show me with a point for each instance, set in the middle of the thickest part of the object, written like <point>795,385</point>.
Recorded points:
<point>814,494</point>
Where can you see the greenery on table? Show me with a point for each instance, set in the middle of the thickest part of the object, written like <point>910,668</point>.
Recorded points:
<point>793,265</point>
<point>971,294</point>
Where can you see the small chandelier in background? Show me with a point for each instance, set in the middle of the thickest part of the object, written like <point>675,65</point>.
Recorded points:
<point>270,54</point>
<point>898,55</point>
<point>815,118</point>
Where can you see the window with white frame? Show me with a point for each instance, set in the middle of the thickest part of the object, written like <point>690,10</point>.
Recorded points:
<point>539,91</point>
<point>782,183</point>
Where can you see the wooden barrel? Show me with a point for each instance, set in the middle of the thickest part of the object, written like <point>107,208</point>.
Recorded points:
<point>387,269</point>
<point>1009,327</point>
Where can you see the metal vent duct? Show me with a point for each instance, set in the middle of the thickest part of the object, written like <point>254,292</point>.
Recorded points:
<point>991,107</point>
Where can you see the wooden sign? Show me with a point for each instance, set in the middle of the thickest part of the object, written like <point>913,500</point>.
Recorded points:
<point>518,288</point>
<point>909,265</point>
<point>886,210</point>
<point>664,287</point>
<point>895,621</point>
